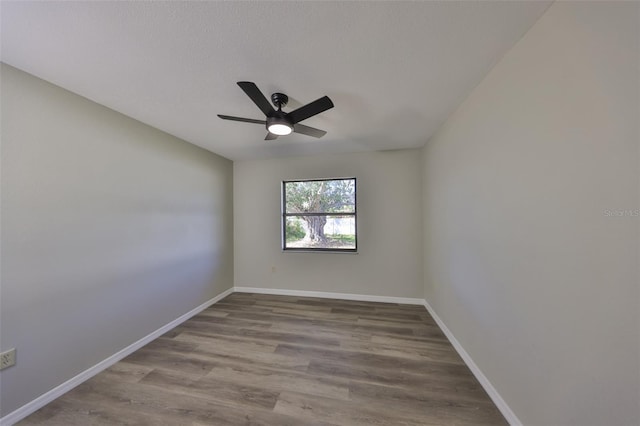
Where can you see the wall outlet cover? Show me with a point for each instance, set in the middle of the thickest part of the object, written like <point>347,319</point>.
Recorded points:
<point>7,358</point>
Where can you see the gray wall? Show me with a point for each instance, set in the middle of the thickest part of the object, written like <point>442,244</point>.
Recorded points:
<point>524,261</point>
<point>110,230</point>
<point>389,257</point>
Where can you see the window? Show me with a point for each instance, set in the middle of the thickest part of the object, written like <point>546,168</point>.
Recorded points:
<point>319,215</point>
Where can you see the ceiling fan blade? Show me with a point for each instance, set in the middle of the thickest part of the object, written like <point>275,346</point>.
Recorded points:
<point>270,136</point>
<point>309,131</point>
<point>244,120</point>
<point>256,96</point>
<point>311,109</point>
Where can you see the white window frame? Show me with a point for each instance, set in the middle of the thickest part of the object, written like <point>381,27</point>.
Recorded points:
<point>285,215</point>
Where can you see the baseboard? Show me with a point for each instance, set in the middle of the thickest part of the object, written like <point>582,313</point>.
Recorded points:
<point>329,295</point>
<point>506,411</point>
<point>41,401</point>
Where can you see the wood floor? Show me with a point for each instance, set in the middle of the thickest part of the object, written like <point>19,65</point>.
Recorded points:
<point>255,359</point>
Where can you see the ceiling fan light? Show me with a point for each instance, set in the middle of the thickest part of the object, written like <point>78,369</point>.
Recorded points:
<point>279,129</point>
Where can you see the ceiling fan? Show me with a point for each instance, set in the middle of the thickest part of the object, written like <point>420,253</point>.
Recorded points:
<point>278,122</point>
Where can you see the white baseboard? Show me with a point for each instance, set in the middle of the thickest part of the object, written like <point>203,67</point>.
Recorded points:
<point>329,295</point>
<point>42,400</point>
<point>506,411</point>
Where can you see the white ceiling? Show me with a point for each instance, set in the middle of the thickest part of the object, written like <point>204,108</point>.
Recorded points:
<point>394,70</point>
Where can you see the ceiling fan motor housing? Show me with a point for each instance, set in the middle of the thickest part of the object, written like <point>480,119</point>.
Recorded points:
<point>279,117</point>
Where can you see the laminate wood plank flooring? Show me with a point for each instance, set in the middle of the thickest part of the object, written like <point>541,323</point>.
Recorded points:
<point>255,359</point>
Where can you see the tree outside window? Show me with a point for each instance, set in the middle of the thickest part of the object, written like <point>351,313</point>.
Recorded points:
<point>319,215</point>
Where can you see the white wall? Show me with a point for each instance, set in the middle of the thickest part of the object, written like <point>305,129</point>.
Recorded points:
<point>110,230</point>
<point>389,257</point>
<point>522,262</point>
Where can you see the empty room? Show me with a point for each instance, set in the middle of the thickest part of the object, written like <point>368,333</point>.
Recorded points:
<point>340,213</point>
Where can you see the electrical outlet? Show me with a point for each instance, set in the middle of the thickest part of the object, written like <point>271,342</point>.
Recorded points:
<point>7,358</point>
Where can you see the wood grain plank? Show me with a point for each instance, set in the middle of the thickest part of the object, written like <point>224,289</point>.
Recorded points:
<point>390,377</point>
<point>214,389</point>
<point>375,361</point>
<point>445,405</point>
<point>279,380</point>
<point>339,412</point>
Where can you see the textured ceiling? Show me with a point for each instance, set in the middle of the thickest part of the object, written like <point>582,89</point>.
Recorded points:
<point>395,70</point>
